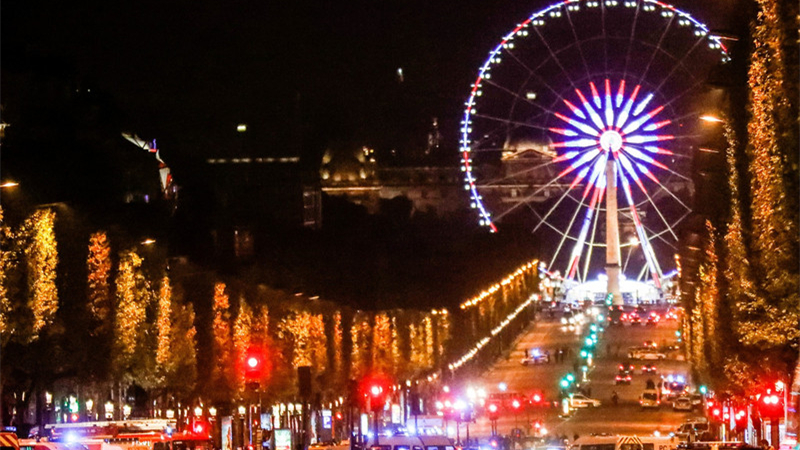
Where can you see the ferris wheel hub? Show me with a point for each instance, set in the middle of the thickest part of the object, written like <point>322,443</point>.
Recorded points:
<point>611,141</point>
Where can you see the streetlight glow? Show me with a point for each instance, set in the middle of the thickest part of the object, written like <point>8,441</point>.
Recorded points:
<point>710,118</point>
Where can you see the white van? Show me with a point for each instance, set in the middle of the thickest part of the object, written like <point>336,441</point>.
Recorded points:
<point>625,443</point>
<point>650,399</point>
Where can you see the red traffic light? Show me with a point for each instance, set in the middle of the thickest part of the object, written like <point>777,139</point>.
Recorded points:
<point>516,403</point>
<point>374,391</point>
<point>537,398</point>
<point>770,405</point>
<point>254,362</point>
<point>493,410</point>
<point>770,399</point>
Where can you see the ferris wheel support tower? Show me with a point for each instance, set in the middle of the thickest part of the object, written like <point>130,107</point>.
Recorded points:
<point>612,233</point>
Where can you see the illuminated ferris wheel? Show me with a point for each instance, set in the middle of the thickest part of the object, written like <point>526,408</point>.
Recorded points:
<point>581,97</point>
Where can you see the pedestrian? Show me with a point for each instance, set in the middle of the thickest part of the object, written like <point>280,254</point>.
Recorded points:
<point>614,398</point>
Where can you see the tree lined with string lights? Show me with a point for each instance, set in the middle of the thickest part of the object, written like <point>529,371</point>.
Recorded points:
<point>754,309</point>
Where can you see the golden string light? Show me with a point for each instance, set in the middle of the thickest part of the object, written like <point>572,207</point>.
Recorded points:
<point>131,310</point>
<point>521,271</point>
<point>98,266</point>
<point>221,331</point>
<point>163,323</point>
<point>42,258</point>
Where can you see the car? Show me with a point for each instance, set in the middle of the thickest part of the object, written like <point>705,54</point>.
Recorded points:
<point>653,318</point>
<point>626,367</point>
<point>622,377</point>
<point>697,427</point>
<point>646,354</point>
<point>582,401</point>
<point>634,318</point>
<point>649,399</point>
<point>682,403</point>
<point>649,368</point>
<point>536,356</point>
<point>697,400</point>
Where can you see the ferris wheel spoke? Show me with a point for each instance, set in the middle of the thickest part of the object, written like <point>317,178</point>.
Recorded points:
<point>593,239</point>
<point>529,197</point>
<point>578,43</point>
<point>553,208</point>
<point>644,241</point>
<point>534,72</point>
<point>657,48</point>
<point>604,37</point>
<point>630,41</point>
<point>685,92</point>
<point>632,173</point>
<point>659,234</point>
<point>510,122</point>
<point>514,175</point>
<point>518,97</point>
<point>564,235</point>
<point>555,58</point>
<point>680,63</point>
<point>645,171</point>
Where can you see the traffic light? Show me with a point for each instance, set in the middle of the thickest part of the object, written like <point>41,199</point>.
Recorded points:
<point>253,365</point>
<point>375,391</point>
<point>740,419</point>
<point>493,410</point>
<point>201,427</point>
<point>516,404</point>
<point>716,414</point>
<point>770,405</point>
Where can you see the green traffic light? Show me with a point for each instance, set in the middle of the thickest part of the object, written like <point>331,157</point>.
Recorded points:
<point>703,390</point>
<point>570,377</point>
<point>564,383</point>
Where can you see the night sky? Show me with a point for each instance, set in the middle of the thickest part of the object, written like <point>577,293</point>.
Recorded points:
<point>187,72</point>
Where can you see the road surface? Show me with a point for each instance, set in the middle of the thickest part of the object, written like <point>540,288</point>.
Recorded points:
<point>624,418</point>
